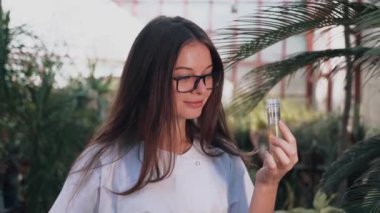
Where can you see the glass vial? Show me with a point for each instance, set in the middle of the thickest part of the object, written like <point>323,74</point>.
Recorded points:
<point>274,115</point>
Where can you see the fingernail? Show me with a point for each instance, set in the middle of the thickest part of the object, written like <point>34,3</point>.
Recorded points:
<point>273,138</point>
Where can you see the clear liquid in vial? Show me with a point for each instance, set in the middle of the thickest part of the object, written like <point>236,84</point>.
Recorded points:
<point>274,115</point>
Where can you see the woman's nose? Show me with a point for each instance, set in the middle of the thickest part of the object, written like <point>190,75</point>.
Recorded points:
<point>201,87</point>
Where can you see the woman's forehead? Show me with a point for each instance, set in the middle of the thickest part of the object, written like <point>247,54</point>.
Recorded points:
<point>194,56</point>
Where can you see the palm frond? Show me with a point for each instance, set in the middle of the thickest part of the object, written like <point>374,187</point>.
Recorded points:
<point>369,19</point>
<point>352,161</point>
<point>252,33</point>
<point>369,64</point>
<point>369,27</point>
<point>364,195</point>
<point>371,38</point>
<point>375,1</point>
<point>259,81</point>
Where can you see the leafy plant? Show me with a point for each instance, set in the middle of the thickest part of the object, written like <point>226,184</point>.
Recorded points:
<point>321,204</point>
<point>42,128</point>
<point>252,33</point>
<point>255,122</point>
<point>364,194</point>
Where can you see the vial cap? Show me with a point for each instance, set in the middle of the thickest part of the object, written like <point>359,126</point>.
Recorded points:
<point>272,103</point>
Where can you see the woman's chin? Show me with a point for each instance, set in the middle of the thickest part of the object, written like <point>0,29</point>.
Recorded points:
<point>191,115</point>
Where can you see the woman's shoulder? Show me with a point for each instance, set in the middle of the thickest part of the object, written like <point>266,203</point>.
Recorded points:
<point>86,156</point>
<point>102,154</point>
<point>235,163</point>
<point>231,162</point>
<point>234,167</point>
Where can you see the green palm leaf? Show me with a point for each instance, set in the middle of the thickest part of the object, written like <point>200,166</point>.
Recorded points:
<point>255,32</point>
<point>364,195</point>
<point>375,1</point>
<point>369,26</point>
<point>259,81</point>
<point>358,158</point>
<point>370,19</point>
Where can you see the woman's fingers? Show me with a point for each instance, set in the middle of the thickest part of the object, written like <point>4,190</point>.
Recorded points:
<point>278,142</point>
<point>286,133</point>
<point>269,161</point>
<point>288,149</point>
<point>281,158</point>
<point>284,150</point>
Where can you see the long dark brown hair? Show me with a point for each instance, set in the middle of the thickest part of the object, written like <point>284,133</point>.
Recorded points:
<point>144,111</point>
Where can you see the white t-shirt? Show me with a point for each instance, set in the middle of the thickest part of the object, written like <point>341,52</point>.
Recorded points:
<point>198,183</point>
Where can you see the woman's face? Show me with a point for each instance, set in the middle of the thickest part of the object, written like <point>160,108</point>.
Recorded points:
<point>194,59</point>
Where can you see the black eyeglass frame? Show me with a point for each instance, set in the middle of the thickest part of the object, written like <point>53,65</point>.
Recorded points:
<point>215,76</point>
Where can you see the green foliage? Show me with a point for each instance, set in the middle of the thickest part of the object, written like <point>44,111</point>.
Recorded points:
<point>42,128</point>
<point>321,204</point>
<point>252,33</point>
<point>319,135</point>
<point>255,121</point>
<point>316,141</point>
<point>316,137</point>
<point>249,92</point>
<point>364,194</point>
<point>315,134</point>
<point>355,159</point>
<point>255,32</point>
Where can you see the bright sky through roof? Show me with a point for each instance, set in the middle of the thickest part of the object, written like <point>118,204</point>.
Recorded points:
<point>96,29</point>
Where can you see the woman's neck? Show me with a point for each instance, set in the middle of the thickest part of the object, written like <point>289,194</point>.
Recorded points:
<point>182,143</point>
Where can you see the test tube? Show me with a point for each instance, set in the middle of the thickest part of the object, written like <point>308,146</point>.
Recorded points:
<point>274,115</point>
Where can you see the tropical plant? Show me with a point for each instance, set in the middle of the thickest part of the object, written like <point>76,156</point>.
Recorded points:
<point>321,204</point>
<point>252,33</point>
<point>42,127</point>
<point>316,146</point>
<point>255,122</point>
<point>363,195</point>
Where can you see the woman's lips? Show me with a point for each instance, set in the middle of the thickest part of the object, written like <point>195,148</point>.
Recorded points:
<point>194,104</point>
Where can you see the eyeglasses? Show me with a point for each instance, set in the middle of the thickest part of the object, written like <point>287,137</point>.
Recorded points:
<point>190,83</point>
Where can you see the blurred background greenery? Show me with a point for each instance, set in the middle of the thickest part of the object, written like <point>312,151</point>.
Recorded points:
<point>43,127</point>
<point>339,153</point>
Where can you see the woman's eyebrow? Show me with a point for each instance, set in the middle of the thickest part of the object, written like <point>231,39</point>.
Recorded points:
<point>189,68</point>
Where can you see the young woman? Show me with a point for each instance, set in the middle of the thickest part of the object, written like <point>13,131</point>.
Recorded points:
<point>165,146</point>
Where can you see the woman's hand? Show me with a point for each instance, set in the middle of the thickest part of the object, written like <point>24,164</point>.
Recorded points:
<point>282,158</point>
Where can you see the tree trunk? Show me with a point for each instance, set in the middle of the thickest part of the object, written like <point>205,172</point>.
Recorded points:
<point>343,136</point>
<point>356,129</point>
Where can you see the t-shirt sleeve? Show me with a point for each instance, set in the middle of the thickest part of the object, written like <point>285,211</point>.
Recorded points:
<point>87,198</point>
<point>241,187</point>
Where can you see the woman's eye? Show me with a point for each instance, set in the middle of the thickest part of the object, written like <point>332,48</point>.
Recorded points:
<point>183,77</point>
